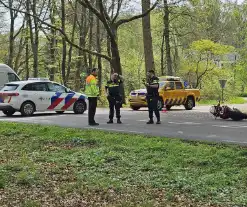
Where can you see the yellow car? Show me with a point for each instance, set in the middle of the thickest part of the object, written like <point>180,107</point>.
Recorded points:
<point>172,92</point>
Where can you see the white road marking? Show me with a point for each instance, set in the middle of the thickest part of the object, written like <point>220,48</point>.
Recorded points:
<point>184,123</point>
<point>212,136</point>
<point>115,130</point>
<point>237,142</point>
<point>180,132</point>
<point>230,126</point>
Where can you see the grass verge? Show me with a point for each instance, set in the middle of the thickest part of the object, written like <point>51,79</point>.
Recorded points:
<point>52,166</point>
<point>235,100</point>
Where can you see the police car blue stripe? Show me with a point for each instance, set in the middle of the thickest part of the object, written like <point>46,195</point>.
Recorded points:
<point>54,98</point>
<point>68,98</point>
<point>1,100</point>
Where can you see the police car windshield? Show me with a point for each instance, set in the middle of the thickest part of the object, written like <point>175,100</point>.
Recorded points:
<point>10,87</point>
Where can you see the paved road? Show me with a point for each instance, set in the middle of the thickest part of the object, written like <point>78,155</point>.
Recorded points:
<point>197,124</point>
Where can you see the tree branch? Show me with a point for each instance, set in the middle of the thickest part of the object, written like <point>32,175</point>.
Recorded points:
<point>103,11</point>
<point>123,21</point>
<point>118,10</point>
<point>101,17</point>
<point>60,30</point>
<point>19,31</point>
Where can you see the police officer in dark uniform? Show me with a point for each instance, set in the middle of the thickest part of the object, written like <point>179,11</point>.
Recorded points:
<point>114,96</point>
<point>152,86</point>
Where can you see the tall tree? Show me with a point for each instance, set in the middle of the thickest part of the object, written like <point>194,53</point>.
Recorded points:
<point>12,36</point>
<point>52,41</point>
<point>34,35</point>
<point>166,41</point>
<point>147,37</point>
<point>64,53</point>
<point>98,45</point>
<point>111,25</point>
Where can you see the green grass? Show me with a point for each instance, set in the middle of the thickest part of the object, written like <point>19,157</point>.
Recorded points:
<point>51,166</point>
<point>235,100</point>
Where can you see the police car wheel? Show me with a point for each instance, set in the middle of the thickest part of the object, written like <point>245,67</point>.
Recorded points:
<point>79,107</point>
<point>27,109</point>
<point>9,112</point>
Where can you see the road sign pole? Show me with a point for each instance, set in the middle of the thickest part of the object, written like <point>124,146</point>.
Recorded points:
<point>223,85</point>
<point>222,95</point>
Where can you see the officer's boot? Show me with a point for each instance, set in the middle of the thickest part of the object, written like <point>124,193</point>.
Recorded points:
<point>119,121</point>
<point>110,121</point>
<point>151,121</point>
<point>158,117</point>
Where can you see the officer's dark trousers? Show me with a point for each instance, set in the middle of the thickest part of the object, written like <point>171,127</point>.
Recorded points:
<point>153,107</point>
<point>92,109</point>
<point>114,102</point>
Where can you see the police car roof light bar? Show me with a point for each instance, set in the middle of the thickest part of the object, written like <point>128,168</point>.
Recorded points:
<point>39,79</point>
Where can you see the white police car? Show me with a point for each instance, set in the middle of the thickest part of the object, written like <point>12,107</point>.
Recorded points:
<point>39,95</point>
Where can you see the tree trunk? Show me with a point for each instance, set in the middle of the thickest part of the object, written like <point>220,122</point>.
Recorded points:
<point>34,37</point>
<point>27,61</point>
<point>82,64</point>
<point>176,59</point>
<point>167,38</point>
<point>52,42</point>
<point>162,63</point>
<point>11,36</point>
<point>64,55</point>
<point>90,44</point>
<point>98,44</point>
<point>36,42</point>
<point>27,48</point>
<point>30,28</point>
<point>147,37</point>
<point>116,62</point>
<point>71,47</point>
<point>19,53</point>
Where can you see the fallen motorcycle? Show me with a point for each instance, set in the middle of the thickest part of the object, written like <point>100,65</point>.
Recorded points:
<point>225,112</point>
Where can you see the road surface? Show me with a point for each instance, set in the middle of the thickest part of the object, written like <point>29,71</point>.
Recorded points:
<point>197,124</point>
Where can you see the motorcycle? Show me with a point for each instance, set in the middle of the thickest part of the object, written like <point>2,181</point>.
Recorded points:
<point>225,112</point>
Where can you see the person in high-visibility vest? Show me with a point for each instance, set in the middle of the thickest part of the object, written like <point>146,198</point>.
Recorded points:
<point>92,92</point>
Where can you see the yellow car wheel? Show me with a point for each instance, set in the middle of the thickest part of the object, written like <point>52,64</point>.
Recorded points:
<point>168,107</point>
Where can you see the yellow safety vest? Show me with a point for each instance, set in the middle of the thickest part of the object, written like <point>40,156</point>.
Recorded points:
<point>92,89</point>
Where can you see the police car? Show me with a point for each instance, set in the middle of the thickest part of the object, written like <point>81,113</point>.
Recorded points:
<point>40,95</point>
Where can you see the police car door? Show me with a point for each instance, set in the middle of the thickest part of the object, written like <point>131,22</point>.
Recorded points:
<point>37,93</point>
<point>60,99</point>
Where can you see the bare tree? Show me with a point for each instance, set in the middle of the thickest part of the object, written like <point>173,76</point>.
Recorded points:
<point>64,53</point>
<point>111,25</point>
<point>12,36</point>
<point>98,44</point>
<point>166,41</point>
<point>147,37</point>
